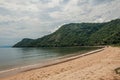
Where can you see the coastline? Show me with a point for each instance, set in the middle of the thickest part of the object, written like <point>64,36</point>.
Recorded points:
<point>47,63</point>
<point>92,66</point>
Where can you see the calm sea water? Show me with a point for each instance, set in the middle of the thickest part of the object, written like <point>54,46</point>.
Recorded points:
<point>16,57</point>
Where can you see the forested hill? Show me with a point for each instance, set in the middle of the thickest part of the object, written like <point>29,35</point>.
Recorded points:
<point>78,34</point>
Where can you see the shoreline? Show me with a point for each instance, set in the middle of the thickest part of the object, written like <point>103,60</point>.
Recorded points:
<point>17,70</point>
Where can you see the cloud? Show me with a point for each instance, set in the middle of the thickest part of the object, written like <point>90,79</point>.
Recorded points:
<point>76,12</point>
<point>16,5</point>
<point>97,2</point>
<point>35,18</point>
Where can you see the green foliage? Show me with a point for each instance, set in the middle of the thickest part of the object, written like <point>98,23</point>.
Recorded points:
<point>78,34</point>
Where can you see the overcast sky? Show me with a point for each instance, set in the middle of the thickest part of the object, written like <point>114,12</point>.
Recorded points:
<point>34,18</point>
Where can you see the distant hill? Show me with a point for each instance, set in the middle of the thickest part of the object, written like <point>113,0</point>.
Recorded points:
<point>78,34</point>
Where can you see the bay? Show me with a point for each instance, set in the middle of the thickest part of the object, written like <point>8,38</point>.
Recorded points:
<point>17,57</point>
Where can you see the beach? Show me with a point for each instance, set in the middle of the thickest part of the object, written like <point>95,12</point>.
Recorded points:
<point>97,66</point>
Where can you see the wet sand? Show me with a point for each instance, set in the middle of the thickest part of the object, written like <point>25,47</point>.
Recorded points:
<point>97,66</point>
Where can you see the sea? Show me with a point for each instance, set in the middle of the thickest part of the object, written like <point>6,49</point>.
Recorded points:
<point>18,57</point>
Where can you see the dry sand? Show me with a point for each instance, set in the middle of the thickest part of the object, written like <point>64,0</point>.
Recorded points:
<point>98,66</point>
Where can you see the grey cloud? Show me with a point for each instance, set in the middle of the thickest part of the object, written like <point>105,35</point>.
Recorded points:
<point>8,41</point>
<point>97,2</point>
<point>45,1</point>
<point>65,1</point>
<point>4,11</point>
<point>6,23</point>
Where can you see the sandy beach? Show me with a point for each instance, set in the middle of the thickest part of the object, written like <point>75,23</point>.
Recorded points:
<point>97,66</point>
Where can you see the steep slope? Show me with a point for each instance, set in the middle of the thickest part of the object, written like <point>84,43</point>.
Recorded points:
<point>107,32</point>
<point>24,43</point>
<point>78,34</point>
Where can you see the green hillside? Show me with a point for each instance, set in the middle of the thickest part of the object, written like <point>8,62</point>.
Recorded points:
<point>78,34</point>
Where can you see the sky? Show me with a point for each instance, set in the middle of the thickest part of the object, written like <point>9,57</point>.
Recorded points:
<point>35,18</point>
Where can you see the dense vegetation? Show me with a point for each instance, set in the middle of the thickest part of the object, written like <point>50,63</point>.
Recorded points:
<point>78,34</point>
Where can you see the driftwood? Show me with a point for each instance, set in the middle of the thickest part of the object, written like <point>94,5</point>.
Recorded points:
<point>117,70</point>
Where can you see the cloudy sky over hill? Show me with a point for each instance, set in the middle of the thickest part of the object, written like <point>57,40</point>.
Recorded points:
<point>35,18</point>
